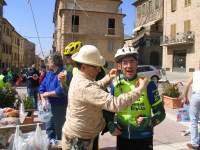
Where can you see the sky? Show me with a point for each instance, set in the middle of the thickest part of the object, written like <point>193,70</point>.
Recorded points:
<point>18,13</point>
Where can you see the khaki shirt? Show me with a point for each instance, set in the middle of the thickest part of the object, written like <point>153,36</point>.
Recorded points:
<point>86,99</point>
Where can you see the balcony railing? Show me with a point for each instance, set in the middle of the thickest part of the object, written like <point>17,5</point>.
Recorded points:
<point>180,38</point>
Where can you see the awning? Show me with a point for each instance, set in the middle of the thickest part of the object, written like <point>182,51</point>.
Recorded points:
<point>145,25</point>
<point>137,37</point>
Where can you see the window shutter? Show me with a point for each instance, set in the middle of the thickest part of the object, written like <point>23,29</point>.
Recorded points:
<point>173,31</point>
<point>189,2</point>
<point>187,26</point>
<point>173,5</point>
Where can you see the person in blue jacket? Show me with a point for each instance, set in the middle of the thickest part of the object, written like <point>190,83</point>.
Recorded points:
<point>51,90</point>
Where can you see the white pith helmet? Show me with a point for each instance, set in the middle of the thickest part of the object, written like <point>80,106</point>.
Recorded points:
<point>90,55</point>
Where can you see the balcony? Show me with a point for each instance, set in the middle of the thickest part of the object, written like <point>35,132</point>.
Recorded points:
<point>187,38</point>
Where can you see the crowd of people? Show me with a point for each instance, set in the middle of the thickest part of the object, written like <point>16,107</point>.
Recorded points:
<point>86,102</point>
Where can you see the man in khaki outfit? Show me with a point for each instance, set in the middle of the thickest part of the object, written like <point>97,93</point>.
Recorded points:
<point>87,99</point>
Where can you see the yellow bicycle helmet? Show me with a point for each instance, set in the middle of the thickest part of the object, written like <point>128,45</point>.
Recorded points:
<point>72,48</point>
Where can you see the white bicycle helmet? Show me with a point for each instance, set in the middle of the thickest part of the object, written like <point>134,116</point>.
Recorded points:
<point>126,51</point>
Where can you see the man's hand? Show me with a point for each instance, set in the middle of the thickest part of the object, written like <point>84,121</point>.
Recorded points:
<point>143,121</point>
<point>142,84</point>
<point>140,120</point>
<point>113,73</point>
<point>45,94</point>
<point>62,77</point>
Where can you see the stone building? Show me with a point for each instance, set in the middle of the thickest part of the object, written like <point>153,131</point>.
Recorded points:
<point>6,44</point>
<point>15,52</point>
<point>97,22</point>
<point>29,53</point>
<point>181,35</point>
<point>2,4</point>
<point>147,32</point>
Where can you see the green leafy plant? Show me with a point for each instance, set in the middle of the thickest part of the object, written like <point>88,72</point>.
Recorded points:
<point>171,90</point>
<point>7,96</point>
<point>28,103</point>
<point>26,100</point>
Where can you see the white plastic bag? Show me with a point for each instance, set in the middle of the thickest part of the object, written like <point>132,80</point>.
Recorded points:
<point>44,114</point>
<point>40,139</point>
<point>18,143</point>
<point>37,140</point>
<point>22,114</point>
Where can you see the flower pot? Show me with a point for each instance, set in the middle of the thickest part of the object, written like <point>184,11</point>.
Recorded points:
<point>171,102</point>
<point>28,120</point>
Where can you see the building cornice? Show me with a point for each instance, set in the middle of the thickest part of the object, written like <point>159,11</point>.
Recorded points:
<point>9,24</point>
<point>80,11</point>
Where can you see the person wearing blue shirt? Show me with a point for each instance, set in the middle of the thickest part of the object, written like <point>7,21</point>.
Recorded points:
<point>52,90</point>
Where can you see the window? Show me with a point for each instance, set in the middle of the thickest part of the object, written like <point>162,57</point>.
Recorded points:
<point>111,26</point>
<point>148,42</point>
<point>173,5</point>
<point>7,32</point>
<point>150,6</point>
<point>187,3</point>
<point>75,23</point>
<point>156,4</point>
<point>173,31</point>
<point>187,25</point>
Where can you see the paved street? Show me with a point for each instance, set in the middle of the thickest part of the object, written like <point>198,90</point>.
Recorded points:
<point>168,135</point>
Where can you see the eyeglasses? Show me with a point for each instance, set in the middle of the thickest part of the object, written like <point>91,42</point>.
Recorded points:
<point>125,62</point>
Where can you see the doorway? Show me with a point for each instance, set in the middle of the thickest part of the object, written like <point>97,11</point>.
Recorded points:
<point>179,61</point>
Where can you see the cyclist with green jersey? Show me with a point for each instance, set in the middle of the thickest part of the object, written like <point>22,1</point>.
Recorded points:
<point>134,125</point>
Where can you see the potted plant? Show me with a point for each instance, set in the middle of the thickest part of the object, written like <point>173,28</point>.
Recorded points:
<point>171,95</point>
<point>7,96</point>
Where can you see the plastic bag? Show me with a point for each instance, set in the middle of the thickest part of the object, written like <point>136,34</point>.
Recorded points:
<point>183,114</point>
<point>18,143</point>
<point>44,114</point>
<point>40,139</point>
<point>37,140</point>
<point>22,114</point>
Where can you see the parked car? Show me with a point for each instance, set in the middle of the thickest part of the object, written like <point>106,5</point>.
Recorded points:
<point>149,71</point>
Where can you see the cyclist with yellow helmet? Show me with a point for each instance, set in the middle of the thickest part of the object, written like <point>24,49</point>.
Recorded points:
<point>69,50</point>
<point>66,76</point>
